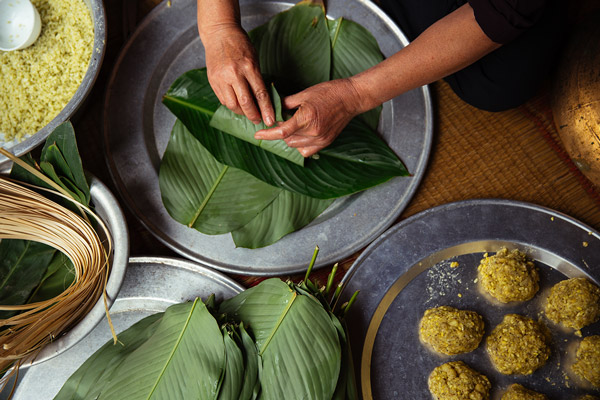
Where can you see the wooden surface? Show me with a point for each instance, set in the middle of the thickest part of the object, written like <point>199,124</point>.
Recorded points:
<point>476,154</point>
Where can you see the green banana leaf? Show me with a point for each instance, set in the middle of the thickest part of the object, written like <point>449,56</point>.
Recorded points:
<point>198,191</point>
<point>287,213</point>
<point>59,275</point>
<point>293,47</point>
<point>241,127</point>
<point>296,338</point>
<point>253,367</point>
<point>353,50</point>
<point>186,339</point>
<point>234,366</point>
<point>337,172</point>
<point>61,162</point>
<point>22,266</point>
<point>83,383</point>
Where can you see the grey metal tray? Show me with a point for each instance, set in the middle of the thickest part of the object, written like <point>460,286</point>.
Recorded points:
<point>151,285</point>
<point>137,129</point>
<point>407,270</point>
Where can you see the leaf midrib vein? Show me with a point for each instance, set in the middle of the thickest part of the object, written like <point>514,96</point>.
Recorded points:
<point>175,347</point>
<point>279,321</point>
<point>16,266</point>
<point>190,105</point>
<point>208,196</point>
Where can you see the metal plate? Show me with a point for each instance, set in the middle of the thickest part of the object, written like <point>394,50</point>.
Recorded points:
<point>31,142</point>
<point>137,129</point>
<point>108,209</point>
<point>407,270</point>
<point>150,286</point>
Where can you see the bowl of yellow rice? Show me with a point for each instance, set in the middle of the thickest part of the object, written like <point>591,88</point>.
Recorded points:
<point>44,84</point>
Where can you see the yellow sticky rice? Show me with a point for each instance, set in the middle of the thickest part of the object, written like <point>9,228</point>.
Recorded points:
<point>36,83</point>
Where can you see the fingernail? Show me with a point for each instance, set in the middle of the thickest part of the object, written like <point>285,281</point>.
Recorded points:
<point>269,121</point>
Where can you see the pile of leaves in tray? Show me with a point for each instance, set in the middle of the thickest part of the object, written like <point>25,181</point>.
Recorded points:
<point>42,293</point>
<point>277,340</point>
<point>216,178</point>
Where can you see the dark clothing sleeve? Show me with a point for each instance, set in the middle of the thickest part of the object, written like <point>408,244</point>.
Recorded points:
<point>504,20</point>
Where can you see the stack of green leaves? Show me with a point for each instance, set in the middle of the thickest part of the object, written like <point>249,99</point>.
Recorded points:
<point>32,271</point>
<point>276,340</point>
<point>212,156</point>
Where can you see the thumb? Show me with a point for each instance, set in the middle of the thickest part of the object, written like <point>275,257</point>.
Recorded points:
<point>293,101</point>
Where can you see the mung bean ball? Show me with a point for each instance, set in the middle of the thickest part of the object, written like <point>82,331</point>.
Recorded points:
<point>574,303</point>
<point>451,331</point>
<point>456,380</point>
<point>587,364</point>
<point>508,276</point>
<point>518,345</point>
<point>520,392</point>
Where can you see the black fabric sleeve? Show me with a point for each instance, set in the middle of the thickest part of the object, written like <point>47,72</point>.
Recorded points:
<point>504,20</point>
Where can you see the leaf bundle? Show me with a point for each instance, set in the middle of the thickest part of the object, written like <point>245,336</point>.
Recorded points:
<point>211,149</point>
<point>277,340</point>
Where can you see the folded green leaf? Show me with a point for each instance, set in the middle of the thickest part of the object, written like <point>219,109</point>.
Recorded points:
<point>234,366</point>
<point>100,367</point>
<point>48,170</point>
<point>287,213</point>
<point>64,140</point>
<point>241,127</point>
<point>154,369</point>
<point>353,50</point>
<point>204,194</point>
<point>253,366</point>
<point>293,47</point>
<point>298,343</point>
<point>336,173</point>
<point>61,162</point>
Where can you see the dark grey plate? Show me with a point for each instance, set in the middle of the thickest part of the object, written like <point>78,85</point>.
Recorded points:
<point>137,128</point>
<point>151,285</point>
<point>407,270</point>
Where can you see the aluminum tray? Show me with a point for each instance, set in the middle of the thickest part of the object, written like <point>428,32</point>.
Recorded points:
<point>137,129</point>
<point>407,270</point>
<point>151,285</point>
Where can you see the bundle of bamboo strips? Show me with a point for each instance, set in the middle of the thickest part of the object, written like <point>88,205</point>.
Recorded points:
<point>28,215</point>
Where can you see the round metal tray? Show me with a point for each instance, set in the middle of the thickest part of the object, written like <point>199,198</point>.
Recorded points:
<point>151,285</point>
<point>31,142</point>
<point>137,129</point>
<point>407,270</point>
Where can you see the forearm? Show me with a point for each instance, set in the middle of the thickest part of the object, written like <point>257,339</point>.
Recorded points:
<point>214,15</point>
<point>447,46</point>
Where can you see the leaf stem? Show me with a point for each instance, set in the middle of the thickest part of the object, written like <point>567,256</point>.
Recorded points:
<point>330,279</point>
<point>347,306</point>
<point>312,263</point>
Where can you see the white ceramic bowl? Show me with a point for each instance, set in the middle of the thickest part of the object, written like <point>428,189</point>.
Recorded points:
<point>20,24</point>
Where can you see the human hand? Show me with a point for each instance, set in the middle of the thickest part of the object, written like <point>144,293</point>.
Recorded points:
<point>234,74</point>
<point>323,111</point>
